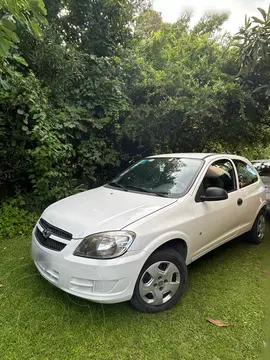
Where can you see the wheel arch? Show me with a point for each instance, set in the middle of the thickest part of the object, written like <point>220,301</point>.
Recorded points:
<point>263,207</point>
<point>177,244</point>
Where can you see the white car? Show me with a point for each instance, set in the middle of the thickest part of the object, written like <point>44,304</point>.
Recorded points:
<point>133,238</point>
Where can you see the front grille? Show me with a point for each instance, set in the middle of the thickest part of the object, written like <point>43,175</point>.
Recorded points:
<point>47,242</point>
<point>55,230</point>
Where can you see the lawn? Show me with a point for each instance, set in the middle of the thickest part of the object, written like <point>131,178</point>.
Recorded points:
<point>38,321</point>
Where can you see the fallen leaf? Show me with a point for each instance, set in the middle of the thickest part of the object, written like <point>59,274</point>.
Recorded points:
<point>218,322</point>
<point>1,285</point>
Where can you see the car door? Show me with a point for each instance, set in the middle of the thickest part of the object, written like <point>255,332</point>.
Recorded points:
<point>217,221</point>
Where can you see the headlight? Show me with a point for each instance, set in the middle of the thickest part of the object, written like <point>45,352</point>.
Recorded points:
<point>106,245</point>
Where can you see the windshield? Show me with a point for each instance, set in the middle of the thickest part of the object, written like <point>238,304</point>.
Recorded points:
<point>161,176</point>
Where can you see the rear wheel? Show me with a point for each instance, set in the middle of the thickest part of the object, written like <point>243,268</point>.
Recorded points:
<point>257,232</point>
<point>161,282</point>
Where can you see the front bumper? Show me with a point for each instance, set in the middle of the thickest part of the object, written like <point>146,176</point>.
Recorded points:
<point>105,281</point>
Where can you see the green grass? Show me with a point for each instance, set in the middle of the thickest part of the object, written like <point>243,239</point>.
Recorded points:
<point>38,321</point>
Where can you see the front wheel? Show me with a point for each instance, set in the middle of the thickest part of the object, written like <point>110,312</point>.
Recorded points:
<point>161,282</point>
<point>257,232</point>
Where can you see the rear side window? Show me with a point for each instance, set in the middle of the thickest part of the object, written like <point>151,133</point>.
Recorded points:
<point>246,174</point>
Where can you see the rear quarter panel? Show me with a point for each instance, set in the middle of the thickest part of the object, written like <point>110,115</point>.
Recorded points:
<point>266,181</point>
<point>254,198</point>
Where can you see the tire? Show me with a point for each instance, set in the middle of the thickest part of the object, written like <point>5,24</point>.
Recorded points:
<point>161,282</point>
<point>257,233</point>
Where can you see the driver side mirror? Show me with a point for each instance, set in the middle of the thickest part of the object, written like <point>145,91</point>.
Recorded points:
<point>214,194</point>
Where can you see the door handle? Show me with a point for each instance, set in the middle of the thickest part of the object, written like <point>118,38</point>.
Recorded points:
<point>239,201</point>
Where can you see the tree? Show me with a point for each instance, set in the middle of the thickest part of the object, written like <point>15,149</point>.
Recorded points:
<point>185,97</point>
<point>109,80</point>
<point>100,27</point>
<point>253,42</point>
<point>71,135</point>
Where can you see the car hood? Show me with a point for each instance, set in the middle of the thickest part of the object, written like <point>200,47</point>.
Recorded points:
<point>102,209</point>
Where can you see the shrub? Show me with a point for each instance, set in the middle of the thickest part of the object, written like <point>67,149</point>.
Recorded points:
<point>15,220</point>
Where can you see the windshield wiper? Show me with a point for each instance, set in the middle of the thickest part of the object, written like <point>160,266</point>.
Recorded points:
<point>146,191</point>
<point>115,184</point>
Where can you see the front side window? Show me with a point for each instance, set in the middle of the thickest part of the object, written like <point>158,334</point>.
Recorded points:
<point>168,176</point>
<point>220,174</point>
<point>246,174</point>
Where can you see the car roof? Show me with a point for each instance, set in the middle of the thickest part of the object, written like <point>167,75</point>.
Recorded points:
<point>200,156</point>
<point>184,155</point>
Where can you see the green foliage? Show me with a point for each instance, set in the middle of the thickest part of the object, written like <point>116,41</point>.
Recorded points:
<point>99,27</point>
<point>253,42</point>
<point>147,22</point>
<point>67,133</point>
<point>53,148</point>
<point>108,81</point>
<point>22,103</point>
<point>14,220</point>
<point>260,152</point>
<point>186,98</point>
<point>29,13</point>
<point>30,146</point>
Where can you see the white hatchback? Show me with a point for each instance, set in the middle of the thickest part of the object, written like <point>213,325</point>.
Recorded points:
<point>133,238</point>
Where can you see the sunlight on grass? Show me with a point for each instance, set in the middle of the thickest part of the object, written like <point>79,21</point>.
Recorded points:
<point>38,321</point>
